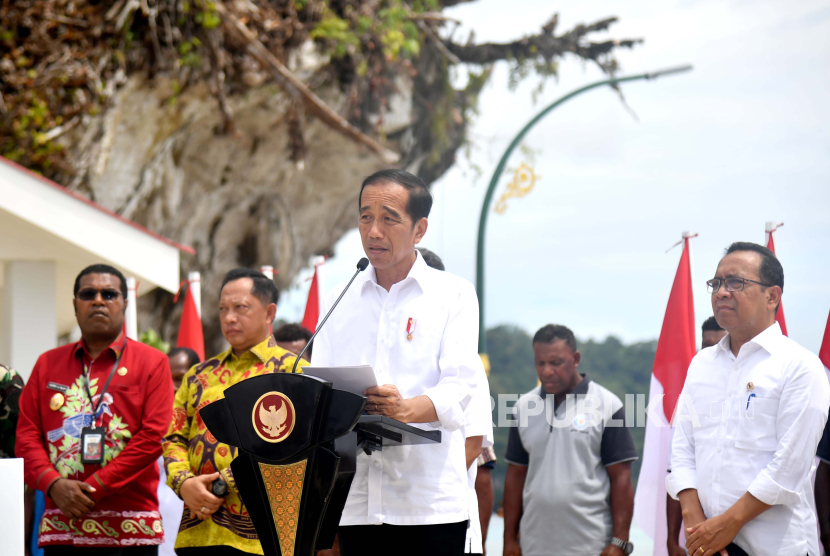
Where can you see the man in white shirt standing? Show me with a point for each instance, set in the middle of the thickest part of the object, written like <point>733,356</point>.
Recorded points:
<point>742,459</point>
<point>418,328</point>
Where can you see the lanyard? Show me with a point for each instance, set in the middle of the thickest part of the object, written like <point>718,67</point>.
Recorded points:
<point>106,385</point>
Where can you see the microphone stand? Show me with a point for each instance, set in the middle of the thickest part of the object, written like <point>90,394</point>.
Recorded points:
<point>362,264</point>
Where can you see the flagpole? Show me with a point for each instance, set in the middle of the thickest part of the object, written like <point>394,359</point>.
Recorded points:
<point>488,196</point>
<point>132,310</point>
<point>194,281</point>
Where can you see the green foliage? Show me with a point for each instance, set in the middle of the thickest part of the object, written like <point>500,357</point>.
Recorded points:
<point>354,33</point>
<point>337,33</point>
<point>623,369</point>
<point>152,338</point>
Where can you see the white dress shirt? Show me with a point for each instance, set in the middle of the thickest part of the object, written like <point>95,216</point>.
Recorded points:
<point>422,484</point>
<point>763,444</point>
<point>479,423</point>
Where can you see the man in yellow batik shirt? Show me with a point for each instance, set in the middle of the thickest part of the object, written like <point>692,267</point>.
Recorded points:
<point>213,525</point>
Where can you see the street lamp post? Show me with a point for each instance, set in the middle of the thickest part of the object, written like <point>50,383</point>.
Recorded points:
<point>485,209</point>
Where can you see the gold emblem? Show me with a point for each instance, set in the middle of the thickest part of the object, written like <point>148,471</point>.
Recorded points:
<point>273,417</point>
<point>749,387</point>
<point>409,337</point>
<point>56,402</point>
<point>122,371</point>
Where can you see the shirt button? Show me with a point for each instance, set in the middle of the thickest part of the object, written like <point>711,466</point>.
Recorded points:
<point>720,450</point>
<point>375,463</point>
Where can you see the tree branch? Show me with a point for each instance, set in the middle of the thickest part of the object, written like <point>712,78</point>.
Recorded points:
<point>547,46</point>
<point>297,89</point>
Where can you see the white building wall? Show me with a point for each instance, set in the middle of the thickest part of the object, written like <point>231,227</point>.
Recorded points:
<point>28,322</point>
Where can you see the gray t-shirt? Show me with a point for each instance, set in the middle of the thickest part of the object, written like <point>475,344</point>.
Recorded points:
<point>567,493</point>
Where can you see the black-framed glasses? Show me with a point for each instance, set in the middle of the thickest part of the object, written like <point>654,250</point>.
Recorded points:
<point>89,294</point>
<point>733,284</point>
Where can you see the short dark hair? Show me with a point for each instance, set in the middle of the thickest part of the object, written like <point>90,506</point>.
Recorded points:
<point>192,356</point>
<point>431,258</point>
<point>710,325</point>
<point>552,332</point>
<point>101,269</point>
<point>264,288</point>
<point>771,272</point>
<point>291,333</point>
<point>420,199</point>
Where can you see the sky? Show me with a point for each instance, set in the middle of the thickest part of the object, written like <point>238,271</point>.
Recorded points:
<point>741,140</point>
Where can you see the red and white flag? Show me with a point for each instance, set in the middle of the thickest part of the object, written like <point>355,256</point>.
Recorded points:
<point>675,350</point>
<point>190,325</point>
<point>315,297</point>
<point>771,227</point>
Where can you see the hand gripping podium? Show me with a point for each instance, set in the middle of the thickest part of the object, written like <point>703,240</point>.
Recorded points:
<point>298,439</point>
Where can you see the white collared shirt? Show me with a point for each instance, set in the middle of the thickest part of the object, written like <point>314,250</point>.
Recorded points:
<point>761,415</point>
<point>423,484</point>
<point>479,423</point>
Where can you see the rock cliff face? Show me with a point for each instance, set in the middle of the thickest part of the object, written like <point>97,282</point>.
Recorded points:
<point>244,128</point>
<point>236,198</point>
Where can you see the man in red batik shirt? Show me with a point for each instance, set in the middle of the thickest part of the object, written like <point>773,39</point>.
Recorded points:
<point>92,417</point>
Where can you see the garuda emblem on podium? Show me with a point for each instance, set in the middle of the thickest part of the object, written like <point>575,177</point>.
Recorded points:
<point>273,417</point>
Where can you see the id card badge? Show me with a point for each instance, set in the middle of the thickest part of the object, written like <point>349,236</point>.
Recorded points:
<point>92,444</point>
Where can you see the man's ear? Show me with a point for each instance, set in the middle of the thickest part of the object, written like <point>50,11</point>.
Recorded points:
<point>75,305</point>
<point>774,296</point>
<point>421,229</point>
<point>272,312</point>
<point>577,358</point>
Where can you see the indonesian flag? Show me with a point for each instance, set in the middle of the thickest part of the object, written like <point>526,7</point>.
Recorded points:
<point>779,316</point>
<point>675,350</point>
<point>190,325</point>
<point>315,297</point>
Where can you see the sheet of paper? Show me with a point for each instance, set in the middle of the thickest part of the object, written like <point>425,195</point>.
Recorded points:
<point>351,379</point>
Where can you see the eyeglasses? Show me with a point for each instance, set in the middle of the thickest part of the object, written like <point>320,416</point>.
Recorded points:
<point>89,294</point>
<point>733,284</point>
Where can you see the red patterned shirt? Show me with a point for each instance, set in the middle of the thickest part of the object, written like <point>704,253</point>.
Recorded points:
<point>135,411</point>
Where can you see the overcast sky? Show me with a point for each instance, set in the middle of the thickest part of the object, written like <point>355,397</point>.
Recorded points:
<point>742,139</point>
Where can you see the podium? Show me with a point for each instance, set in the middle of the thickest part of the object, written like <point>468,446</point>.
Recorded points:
<point>297,440</point>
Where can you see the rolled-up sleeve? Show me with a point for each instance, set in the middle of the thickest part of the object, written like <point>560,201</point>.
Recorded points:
<point>479,416</point>
<point>802,414</point>
<point>459,362</point>
<point>683,469</point>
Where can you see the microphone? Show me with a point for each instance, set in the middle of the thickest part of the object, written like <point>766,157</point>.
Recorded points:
<point>362,264</point>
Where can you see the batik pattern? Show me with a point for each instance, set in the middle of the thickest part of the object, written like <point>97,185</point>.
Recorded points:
<point>191,450</point>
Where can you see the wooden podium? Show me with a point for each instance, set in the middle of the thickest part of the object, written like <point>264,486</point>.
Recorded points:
<point>298,440</point>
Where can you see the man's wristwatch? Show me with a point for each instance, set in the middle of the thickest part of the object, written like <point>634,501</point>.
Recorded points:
<point>626,546</point>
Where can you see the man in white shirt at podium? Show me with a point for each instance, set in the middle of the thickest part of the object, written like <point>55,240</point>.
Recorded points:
<point>418,328</point>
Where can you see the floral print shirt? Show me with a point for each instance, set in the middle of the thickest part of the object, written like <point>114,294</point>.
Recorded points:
<point>134,411</point>
<point>190,449</point>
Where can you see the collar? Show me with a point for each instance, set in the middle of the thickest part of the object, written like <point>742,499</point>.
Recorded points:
<point>115,346</point>
<point>767,340</point>
<point>263,351</point>
<point>420,272</point>
<point>581,388</point>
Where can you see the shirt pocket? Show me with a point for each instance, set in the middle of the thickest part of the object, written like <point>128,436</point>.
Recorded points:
<point>757,425</point>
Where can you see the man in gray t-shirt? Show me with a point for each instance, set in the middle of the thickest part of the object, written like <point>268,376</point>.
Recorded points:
<point>568,486</point>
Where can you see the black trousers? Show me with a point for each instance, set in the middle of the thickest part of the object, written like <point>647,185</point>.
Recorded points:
<point>446,539</point>
<point>72,550</point>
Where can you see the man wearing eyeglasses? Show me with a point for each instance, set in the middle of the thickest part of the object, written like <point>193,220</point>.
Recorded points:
<point>91,421</point>
<point>749,419</point>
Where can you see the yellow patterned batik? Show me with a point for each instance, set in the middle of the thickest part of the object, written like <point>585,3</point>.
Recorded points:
<point>284,485</point>
<point>190,449</point>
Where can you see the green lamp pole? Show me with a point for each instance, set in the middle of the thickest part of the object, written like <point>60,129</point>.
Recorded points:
<point>485,209</point>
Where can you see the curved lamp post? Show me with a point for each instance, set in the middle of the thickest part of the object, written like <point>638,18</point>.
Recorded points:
<point>485,209</point>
